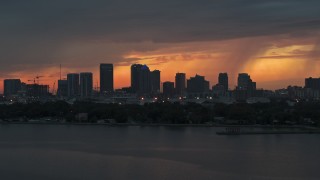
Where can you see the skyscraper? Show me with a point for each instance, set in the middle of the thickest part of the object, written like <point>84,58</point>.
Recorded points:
<point>73,85</point>
<point>180,83</point>
<point>11,86</point>
<point>106,78</point>
<point>197,84</point>
<point>168,89</point>
<point>223,81</point>
<point>155,81</point>
<point>62,88</point>
<point>86,84</point>
<point>135,77</point>
<point>312,83</point>
<point>245,82</point>
<point>144,80</point>
<point>141,79</point>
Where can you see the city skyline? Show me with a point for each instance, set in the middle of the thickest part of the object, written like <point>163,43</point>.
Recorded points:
<point>277,43</point>
<point>232,83</point>
<point>159,89</point>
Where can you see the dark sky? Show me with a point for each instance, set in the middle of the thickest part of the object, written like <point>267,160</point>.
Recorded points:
<point>39,34</point>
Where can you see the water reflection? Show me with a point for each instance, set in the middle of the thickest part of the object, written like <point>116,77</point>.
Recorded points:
<point>102,152</point>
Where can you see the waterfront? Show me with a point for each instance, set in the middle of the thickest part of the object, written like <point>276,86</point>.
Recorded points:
<point>104,152</point>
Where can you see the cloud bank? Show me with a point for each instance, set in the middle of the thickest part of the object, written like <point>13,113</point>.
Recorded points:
<point>37,35</point>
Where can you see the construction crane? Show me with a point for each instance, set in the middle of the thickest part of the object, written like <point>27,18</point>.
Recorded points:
<point>38,77</point>
<point>35,80</point>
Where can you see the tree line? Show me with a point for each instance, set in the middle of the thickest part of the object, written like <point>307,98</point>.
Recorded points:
<point>276,112</point>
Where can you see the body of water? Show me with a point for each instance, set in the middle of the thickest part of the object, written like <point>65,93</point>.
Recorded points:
<point>41,152</point>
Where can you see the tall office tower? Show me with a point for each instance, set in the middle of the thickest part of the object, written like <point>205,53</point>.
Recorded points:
<point>245,82</point>
<point>312,83</point>
<point>144,80</point>
<point>62,88</point>
<point>168,89</point>
<point>106,78</point>
<point>11,86</point>
<point>86,84</point>
<point>73,85</point>
<point>135,77</point>
<point>223,81</point>
<point>197,84</point>
<point>155,81</point>
<point>180,84</point>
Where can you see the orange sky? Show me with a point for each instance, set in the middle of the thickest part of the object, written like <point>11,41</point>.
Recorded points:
<point>272,61</point>
<point>276,42</point>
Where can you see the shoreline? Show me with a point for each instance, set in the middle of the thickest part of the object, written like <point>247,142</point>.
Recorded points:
<point>160,124</point>
<point>264,132</point>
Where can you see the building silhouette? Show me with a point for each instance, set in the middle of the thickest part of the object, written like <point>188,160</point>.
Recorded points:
<point>135,77</point>
<point>246,88</point>
<point>62,88</point>
<point>245,82</point>
<point>223,81</point>
<point>312,83</point>
<point>11,86</point>
<point>73,85</point>
<point>145,80</point>
<point>86,84</point>
<point>180,81</point>
<point>106,78</point>
<point>197,84</point>
<point>155,81</point>
<point>168,89</point>
<point>221,89</point>
<point>37,90</point>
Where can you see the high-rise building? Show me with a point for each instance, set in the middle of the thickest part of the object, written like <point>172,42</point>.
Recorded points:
<point>180,84</point>
<point>106,78</point>
<point>73,85</point>
<point>245,82</point>
<point>11,86</point>
<point>144,80</point>
<point>197,84</point>
<point>168,89</point>
<point>223,81</point>
<point>135,77</point>
<point>86,84</point>
<point>155,81</point>
<point>312,83</point>
<point>62,88</point>
<point>141,79</point>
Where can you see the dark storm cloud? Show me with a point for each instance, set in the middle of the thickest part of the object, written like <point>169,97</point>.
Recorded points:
<point>33,31</point>
<point>164,21</point>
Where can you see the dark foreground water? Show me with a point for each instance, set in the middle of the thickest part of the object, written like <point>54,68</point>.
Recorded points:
<point>42,152</point>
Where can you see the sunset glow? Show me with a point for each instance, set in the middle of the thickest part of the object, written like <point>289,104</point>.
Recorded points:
<point>267,62</point>
<point>277,47</point>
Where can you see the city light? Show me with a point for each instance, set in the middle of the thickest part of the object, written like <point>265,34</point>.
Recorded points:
<point>168,89</point>
<point>80,86</point>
